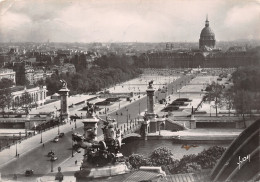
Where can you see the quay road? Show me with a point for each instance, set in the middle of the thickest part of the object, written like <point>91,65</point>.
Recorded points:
<point>37,159</point>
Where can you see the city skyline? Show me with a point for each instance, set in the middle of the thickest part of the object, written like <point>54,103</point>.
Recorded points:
<point>127,21</point>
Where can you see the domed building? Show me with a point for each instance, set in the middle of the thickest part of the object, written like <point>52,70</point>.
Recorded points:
<point>207,37</point>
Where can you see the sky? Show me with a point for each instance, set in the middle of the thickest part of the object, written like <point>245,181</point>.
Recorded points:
<point>127,20</point>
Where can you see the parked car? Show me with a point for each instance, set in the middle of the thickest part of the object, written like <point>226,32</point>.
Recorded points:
<point>61,135</point>
<point>51,153</point>
<point>74,117</point>
<point>29,172</point>
<point>54,158</point>
<point>56,139</point>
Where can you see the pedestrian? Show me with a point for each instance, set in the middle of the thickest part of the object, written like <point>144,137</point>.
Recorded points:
<point>76,162</point>
<point>18,155</point>
<point>43,145</point>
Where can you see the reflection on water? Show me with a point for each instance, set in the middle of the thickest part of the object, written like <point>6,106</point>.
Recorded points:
<point>146,147</point>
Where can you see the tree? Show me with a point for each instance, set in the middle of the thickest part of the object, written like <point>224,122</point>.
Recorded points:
<point>26,100</point>
<point>228,99</point>
<point>243,102</point>
<point>5,99</point>
<point>6,83</point>
<point>207,159</point>
<point>214,93</point>
<point>137,160</point>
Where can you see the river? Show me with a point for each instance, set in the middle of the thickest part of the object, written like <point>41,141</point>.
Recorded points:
<point>146,147</point>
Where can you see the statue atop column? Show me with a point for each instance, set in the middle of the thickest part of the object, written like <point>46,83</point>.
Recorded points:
<point>91,110</point>
<point>64,93</point>
<point>150,84</point>
<point>64,83</point>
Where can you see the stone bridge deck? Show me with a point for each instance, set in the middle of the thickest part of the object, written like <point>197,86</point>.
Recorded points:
<point>127,130</point>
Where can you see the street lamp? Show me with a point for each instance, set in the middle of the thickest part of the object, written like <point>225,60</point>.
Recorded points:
<point>51,165</point>
<point>41,134</point>
<point>58,128</point>
<point>72,155</point>
<point>117,119</point>
<point>127,118</point>
<point>16,154</point>
<point>139,108</point>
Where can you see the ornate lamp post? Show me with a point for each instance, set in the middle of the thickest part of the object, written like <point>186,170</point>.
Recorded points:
<point>139,108</point>
<point>58,128</point>
<point>117,119</point>
<point>72,155</point>
<point>16,154</point>
<point>41,134</point>
<point>51,165</point>
<point>127,118</point>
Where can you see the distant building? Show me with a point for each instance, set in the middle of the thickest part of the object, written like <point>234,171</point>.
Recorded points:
<point>64,68</point>
<point>7,73</point>
<point>207,56</point>
<point>38,94</point>
<point>207,37</point>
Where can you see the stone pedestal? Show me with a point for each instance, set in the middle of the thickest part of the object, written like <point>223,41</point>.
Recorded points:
<point>64,111</point>
<point>192,122</point>
<point>153,125</point>
<point>145,129</point>
<point>90,128</point>
<point>99,172</point>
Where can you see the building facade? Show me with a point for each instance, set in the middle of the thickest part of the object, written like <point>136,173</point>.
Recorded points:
<point>37,95</point>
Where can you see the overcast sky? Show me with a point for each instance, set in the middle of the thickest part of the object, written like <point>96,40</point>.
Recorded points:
<point>127,20</point>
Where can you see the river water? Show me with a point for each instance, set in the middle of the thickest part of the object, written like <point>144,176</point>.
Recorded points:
<point>147,147</point>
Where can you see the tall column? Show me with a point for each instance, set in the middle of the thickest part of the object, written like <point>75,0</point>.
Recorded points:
<point>150,101</point>
<point>64,93</point>
<point>150,115</point>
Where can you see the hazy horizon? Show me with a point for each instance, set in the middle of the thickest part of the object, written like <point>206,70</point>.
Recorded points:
<point>122,21</point>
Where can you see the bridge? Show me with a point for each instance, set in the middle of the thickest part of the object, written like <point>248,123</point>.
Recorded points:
<point>128,130</point>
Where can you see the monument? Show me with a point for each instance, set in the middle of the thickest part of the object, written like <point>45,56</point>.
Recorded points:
<point>101,158</point>
<point>150,115</point>
<point>64,93</point>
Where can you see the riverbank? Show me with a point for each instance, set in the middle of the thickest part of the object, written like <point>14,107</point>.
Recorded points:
<point>216,135</point>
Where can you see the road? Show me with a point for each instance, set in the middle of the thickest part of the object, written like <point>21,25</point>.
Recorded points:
<point>37,159</point>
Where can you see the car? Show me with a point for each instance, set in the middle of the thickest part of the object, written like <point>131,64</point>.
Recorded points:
<point>29,172</point>
<point>54,158</point>
<point>61,135</point>
<point>56,139</point>
<point>74,117</point>
<point>51,153</point>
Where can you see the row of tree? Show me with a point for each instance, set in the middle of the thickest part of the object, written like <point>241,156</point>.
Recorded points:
<point>243,96</point>
<point>109,70</point>
<point>164,157</point>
